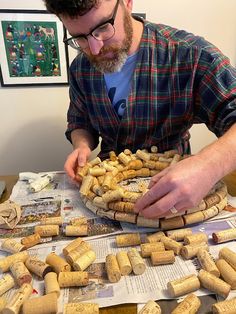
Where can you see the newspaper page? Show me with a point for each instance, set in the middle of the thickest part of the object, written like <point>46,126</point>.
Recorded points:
<point>61,197</point>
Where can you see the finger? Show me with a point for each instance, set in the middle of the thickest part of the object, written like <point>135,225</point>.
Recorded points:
<point>153,195</point>
<point>70,165</point>
<point>83,157</point>
<point>155,179</point>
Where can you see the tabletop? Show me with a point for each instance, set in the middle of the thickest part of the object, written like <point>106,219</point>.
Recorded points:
<point>166,305</point>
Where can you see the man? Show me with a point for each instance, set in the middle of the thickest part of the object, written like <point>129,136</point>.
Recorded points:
<point>138,84</point>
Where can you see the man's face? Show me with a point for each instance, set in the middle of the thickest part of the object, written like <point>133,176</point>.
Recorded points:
<point>110,55</point>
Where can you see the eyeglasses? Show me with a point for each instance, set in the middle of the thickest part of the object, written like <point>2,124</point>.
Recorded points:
<point>101,32</point>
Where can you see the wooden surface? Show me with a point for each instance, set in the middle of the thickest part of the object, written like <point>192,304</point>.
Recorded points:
<point>166,305</point>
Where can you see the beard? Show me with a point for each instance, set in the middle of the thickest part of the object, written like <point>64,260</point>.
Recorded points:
<point>106,64</point>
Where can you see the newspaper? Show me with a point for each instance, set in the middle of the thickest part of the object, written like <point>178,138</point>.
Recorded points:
<point>152,284</point>
<point>61,197</point>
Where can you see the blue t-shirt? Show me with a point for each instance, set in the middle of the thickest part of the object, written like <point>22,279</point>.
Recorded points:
<point>119,83</point>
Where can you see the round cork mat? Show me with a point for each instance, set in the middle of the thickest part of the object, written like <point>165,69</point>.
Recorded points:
<point>111,187</point>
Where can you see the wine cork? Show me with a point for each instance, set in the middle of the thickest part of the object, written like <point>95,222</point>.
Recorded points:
<point>155,237</point>
<point>224,235</point>
<point>213,283</point>
<point>95,161</point>
<point>31,240</point>
<point>3,303</point>
<point>222,204</point>
<point>77,252</point>
<point>178,234</point>
<point>160,165</point>
<point>227,272</point>
<point>51,284</point>
<point>154,149</point>
<point>224,307</point>
<point>6,262</point>
<point>176,158</point>
<point>190,304</point>
<point>183,285</point>
<point>207,262</point>
<point>51,221</point>
<point>172,245</point>
<point>41,305</point>
<point>144,172</point>
<point>71,246</point>
<point>19,297</point>
<point>146,222</point>
<point>210,212</point>
<point>72,231</point>
<point>87,183</point>
<point>143,155</point>
<point>124,263</point>
<point>170,153</point>
<point>111,196</point>
<point>135,164</point>
<point>112,268</point>
<point>85,260</point>
<point>107,182</point>
<point>40,183</point>
<point>193,218</point>
<point>97,189</point>
<point>163,258</point>
<point>130,196</point>
<point>20,273</point>
<point>150,307</point>
<point>190,251</point>
<point>78,221</point>
<point>124,158</point>
<point>229,256</point>
<point>37,266</point>
<point>126,217</point>
<point>6,283</point>
<point>82,171</point>
<point>57,263</point>
<point>47,230</point>
<point>12,246</point>
<point>112,156</point>
<point>129,239</point>
<point>196,238</point>
<point>76,308</point>
<point>98,201</point>
<point>136,261</point>
<point>122,206</point>
<point>150,164</point>
<point>172,223</point>
<point>148,248</point>
<point>211,200</point>
<point>73,279</point>
<point>95,172</point>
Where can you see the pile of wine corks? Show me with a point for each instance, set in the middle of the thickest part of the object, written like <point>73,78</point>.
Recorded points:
<point>103,193</point>
<point>57,272</point>
<point>217,276</point>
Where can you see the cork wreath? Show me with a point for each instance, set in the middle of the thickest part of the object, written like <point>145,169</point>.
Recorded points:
<point>110,188</point>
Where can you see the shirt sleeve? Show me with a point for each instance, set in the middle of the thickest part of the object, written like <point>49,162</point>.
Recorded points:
<point>77,114</point>
<point>216,91</point>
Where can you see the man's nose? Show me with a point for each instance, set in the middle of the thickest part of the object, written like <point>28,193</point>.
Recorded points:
<point>94,45</point>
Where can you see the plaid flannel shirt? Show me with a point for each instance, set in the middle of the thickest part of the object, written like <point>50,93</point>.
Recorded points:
<point>179,79</point>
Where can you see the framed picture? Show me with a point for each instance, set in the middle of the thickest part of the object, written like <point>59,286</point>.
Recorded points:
<point>32,49</point>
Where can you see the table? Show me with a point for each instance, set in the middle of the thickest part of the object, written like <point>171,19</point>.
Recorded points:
<point>166,305</point>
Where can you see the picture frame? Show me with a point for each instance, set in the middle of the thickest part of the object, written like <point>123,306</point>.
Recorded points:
<point>33,52</point>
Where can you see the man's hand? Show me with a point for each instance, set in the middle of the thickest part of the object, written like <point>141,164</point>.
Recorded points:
<point>77,158</point>
<point>182,186</point>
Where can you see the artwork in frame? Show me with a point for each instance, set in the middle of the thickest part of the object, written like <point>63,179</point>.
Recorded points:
<point>32,49</point>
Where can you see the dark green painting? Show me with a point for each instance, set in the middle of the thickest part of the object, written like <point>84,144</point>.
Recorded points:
<point>31,48</point>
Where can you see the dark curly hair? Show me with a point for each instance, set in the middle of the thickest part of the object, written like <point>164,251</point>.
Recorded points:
<point>70,8</point>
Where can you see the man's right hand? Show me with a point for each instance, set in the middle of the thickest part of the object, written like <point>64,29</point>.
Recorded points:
<point>77,158</point>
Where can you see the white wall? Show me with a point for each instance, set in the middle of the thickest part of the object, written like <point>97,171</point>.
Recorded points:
<point>33,120</point>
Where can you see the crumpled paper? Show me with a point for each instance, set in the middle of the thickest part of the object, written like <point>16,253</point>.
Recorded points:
<point>10,214</point>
